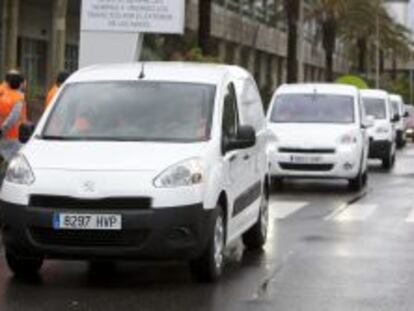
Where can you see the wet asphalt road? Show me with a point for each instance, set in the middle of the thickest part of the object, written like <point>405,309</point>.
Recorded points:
<point>328,250</point>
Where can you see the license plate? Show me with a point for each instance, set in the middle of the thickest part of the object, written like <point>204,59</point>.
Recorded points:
<point>63,221</point>
<point>305,159</point>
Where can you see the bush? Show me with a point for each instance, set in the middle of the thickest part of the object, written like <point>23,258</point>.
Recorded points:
<point>353,80</point>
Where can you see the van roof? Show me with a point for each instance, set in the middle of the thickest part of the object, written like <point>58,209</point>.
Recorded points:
<point>324,88</point>
<point>159,71</point>
<point>396,97</point>
<point>374,93</point>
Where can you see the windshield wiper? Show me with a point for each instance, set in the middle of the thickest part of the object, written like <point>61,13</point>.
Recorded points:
<point>115,139</point>
<point>57,137</point>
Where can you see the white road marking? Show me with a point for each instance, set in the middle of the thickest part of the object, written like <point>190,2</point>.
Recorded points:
<point>354,212</point>
<point>409,152</point>
<point>283,209</point>
<point>410,217</point>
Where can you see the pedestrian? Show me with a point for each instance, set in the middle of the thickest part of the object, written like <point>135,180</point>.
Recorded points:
<point>13,113</point>
<point>3,84</point>
<point>61,78</point>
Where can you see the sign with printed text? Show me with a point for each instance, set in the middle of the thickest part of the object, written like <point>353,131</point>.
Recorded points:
<point>152,16</point>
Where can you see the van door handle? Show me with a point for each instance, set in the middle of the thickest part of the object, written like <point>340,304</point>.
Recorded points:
<point>233,158</point>
<point>246,157</point>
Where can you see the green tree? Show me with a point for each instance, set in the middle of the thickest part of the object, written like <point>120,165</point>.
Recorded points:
<point>355,21</point>
<point>363,32</point>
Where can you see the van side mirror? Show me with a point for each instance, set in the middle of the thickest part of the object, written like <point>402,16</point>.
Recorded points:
<point>396,118</point>
<point>406,114</point>
<point>26,131</point>
<point>245,138</point>
<point>369,122</point>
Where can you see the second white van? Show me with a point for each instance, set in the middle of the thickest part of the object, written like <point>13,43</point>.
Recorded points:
<point>319,131</point>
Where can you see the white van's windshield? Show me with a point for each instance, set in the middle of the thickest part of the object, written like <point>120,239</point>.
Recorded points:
<point>132,111</point>
<point>313,108</point>
<point>375,107</point>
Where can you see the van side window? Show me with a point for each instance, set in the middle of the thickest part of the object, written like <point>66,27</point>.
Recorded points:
<point>252,107</point>
<point>230,123</point>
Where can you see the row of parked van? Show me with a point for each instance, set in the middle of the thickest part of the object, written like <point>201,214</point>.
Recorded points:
<point>173,161</point>
<point>330,131</point>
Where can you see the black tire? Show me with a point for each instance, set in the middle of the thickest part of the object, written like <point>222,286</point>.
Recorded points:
<point>365,178</point>
<point>388,162</point>
<point>209,266</point>
<point>23,267</point>
<point>357,183</point>
<point>277,183</point>
<point>256,237</point>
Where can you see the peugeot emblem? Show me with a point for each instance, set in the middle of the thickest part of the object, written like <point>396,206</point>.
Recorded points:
<point>89,186</point>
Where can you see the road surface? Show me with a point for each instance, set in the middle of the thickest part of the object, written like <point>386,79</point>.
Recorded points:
<point>328,250</point>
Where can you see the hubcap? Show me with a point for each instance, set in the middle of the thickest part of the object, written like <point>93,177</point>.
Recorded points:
<point>219,242</point>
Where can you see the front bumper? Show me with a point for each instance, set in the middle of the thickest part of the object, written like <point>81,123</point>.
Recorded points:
<point>379,149</point>
<point>163,233</point>
<point>342,163</point>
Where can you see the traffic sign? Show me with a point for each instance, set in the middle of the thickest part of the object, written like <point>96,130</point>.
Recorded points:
<point>153,16</point>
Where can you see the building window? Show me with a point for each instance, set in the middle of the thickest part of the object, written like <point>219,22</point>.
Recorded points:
<point>71,57</point>
<point>32,62</point>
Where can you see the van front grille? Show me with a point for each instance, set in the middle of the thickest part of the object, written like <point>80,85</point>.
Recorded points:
<point>307,167</point>
<point>302,150</point>
<point>62,202</point>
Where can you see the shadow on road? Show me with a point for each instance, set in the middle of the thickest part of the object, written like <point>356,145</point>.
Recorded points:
<point>312,186</point>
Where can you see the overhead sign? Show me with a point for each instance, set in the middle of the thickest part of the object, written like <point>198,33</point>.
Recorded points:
<point>154,16</point>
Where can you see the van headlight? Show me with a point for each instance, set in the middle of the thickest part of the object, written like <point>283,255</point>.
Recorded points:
<point>348,139</point>
<point>187,173</point>
<point>19,171</point>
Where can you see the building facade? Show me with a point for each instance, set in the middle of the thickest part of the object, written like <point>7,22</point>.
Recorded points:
<point>41,37</point>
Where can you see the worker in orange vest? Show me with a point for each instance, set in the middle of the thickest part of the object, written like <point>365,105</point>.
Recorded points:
<point>4,86</point>
<point>61,78</point>
<point>13,113</point>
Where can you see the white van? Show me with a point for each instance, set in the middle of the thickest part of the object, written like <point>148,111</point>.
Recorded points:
<point>382,135</point>
<point>153,161</point>
<point>398,107</point>
<point>319,132</point>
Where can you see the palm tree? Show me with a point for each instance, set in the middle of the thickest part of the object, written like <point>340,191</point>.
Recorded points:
<point>204,29</point>
<point>363,31</point>
<point>329,13</point>
<point>352,21</point>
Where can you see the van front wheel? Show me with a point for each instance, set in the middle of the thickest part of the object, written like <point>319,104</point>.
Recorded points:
<point>388,162</point>
<point>23,267</point>
<point>209,266</point>
<point>255,238</point>
<point>357,183</point>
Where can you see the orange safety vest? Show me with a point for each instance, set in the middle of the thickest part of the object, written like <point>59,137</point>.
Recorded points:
<point>7,102</point>
<point>50,95</point>
<point>3,88</point>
